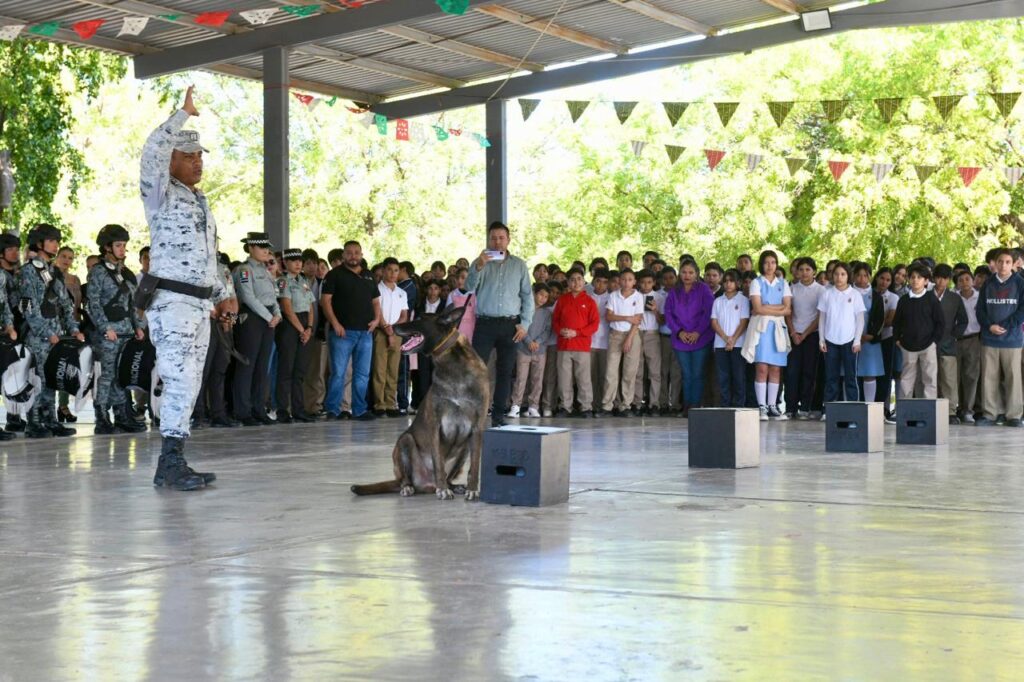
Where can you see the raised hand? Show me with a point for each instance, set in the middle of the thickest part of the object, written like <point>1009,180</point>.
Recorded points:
<point>188,107</point>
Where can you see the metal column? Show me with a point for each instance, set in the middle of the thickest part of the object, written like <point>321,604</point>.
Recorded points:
<point>497,162</point>
<point>276,163</point>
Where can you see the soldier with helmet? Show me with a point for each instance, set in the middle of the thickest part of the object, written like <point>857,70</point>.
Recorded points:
<point>110,293</point>
<point>10,245</point>
<point>6,329</point>
<point>49,314</point>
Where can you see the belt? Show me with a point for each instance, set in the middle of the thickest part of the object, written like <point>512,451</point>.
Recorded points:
<point>203,293</point>
<point>970,336</point>
<point>495,318</point>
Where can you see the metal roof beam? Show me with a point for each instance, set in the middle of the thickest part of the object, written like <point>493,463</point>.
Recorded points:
<point>327,26</point>
<point>891,13</point>
<point>459,47</point>
<point>652,11</point>
<point>548,27</point>
<point>787,6</point>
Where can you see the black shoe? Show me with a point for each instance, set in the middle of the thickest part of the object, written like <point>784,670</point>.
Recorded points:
<point>1000,419</point>
<point>303,418</point>
<point>378,413</point>
<point>562,414</point>
<point>103,426</point>
<point>403,411</point>
<point>983,421</point>
<point>174,472</point>
<point>600,414</point>
<point>15,424</point>
<point>1014,423</point>
<point>223,423</point>
<point>284,418</point>
<point>635,411</point>
<point>584,414</point>
<point>123,420</point>
<point>625,414</point>
<point>498,423</point>
<point>393,413</point>
<point>64,414</point>
<point>250,421</point>
<point>55,428</point>
<point>265,419</point>
<point>7,435</point>
<point>653,412</point>
<point>195,423</point>
<point>365,417</point>
<point>345,416</point>
<point>954,419</point>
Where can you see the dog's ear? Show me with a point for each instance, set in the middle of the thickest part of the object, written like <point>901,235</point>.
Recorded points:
<point>451,316</point>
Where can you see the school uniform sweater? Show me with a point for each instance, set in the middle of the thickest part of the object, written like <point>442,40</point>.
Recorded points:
<point>579,313</point>
<point>1002,303</point>
<point>919,322</point>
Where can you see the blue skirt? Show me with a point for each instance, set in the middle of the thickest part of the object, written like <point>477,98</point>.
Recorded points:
<point>766,352</point>
<point>869,360</point>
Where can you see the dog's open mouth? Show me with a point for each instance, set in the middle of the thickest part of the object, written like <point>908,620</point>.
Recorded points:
<point>412,344</point>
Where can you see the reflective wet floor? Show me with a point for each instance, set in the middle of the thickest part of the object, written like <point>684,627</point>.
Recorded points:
<point>897,565</point>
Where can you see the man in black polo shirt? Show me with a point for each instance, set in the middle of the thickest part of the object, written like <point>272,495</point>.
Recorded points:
<point>351,305</point>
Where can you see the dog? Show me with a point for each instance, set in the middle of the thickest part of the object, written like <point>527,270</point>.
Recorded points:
<point>450,423</point>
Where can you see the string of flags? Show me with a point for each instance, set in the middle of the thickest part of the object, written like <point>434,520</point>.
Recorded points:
<point>135,25</point>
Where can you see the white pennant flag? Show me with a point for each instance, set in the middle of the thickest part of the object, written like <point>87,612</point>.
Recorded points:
<point>11,32</point>
<point>881,170</point>
<point>258,16</point>
<point>368,119</point>
<point>638,147</point>
<point>418,132</point>
<point>1013,174</point>
<point>133,26</point>
<point>753,161</point>
<point>314,103</point>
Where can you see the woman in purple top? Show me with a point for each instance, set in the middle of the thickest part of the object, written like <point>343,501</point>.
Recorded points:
<point>688,315</point>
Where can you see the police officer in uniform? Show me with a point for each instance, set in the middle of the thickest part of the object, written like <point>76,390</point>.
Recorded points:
<point>294,339</point>
<point>109,300</point>
<point>10,245</point>
<point>182,285</point>
<point>260,314</point>
<point>8,330</point>
<point>49,314</point>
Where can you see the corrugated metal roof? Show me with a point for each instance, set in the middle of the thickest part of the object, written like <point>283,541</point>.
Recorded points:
<point>388,75</point>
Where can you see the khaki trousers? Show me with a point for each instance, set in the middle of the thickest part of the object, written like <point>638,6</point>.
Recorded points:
<point>671,375</point>
<point>313,385</point>
<point>629,361</point>
<point>529,372</point>
<point>968,360</point>
<point>572,365</point>
<point>650,365</point>
<point>549,394</point>
<point>1001,374</point>
<point>387,351</point>
<point>598,367</point>
<point>923,363</point>
<point>949,382</point>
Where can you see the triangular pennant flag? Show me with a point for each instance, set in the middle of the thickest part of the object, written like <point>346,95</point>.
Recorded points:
<point>638,147</point>
<point>794,164</point>
<point>528,106</point>
<point>1013,174</point>
<point>779,111</point>
<point>332,101</point>
<point>888,106</point>
<point>576,108</point>
<point>1006,101</point>
<point>441,133</point>
<point>674,152</point>
<point>753,161</point>
<point>212,18</point>
<point>402,129</point>
<point>481,140</point>
<point>11,31</point>
<point>259,16</point>
<point>725,111</point>
<point>714,157</point>
<point>382,123</point>
<point>924,172</point>
<point>453,6</point>
<point>456,132</point>
<point>838,168</point>
<point>881,170</point>
<point>624,110</point>
<point>675,111</point>
<point>368,119</point>
<point>301,10</point>
<point>87,29</point>
<point>418,132</point>
<point>313,103</point>
<point>47,29</point>
<point>968,173</point>
<point>946,104</point>
<point>170,17</point>
<point>133,26</point>
<point>305,99</point>
<point>834,108</point>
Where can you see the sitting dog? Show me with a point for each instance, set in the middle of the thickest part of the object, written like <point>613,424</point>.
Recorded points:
<point>449,425</point>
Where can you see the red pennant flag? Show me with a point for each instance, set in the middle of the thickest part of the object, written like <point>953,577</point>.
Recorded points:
<point>402,130</point>
<point>714,157</point>
<point>838,168</point>
<point>87,29</point>
<point>967,174</point>
<point>457,132</point>
<point>351,4</point>
<point>212,18</point>
<point>305,99</point>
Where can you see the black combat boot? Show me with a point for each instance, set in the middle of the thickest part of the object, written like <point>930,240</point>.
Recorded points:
<point>37,427</point>
<point>7,435</point>
<point>55,427</point>
<point>124,421</point>
<point>173,471</point>
<point>15,424</point>
<point>103,426</point>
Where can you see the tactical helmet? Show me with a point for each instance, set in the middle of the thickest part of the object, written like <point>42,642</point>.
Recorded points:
<point>110,234</point>
<point>7,240</point>
<point>41,232</point>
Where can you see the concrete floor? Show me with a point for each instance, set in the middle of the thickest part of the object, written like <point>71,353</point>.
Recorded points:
<point>902,565</point>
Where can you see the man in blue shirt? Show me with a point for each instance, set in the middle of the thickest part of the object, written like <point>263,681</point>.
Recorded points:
<point>1000,315</point>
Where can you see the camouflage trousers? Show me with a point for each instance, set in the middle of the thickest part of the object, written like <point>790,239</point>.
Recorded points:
<point>109,393</point>
<point>40,347</point>
<point>180,331</point>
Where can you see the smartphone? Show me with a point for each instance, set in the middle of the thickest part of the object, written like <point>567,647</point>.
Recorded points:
<point>649,300</point>
<point>495,255</point>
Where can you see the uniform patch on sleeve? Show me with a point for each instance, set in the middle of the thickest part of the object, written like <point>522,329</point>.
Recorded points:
<point>282,284</point>
<point>243,276</point>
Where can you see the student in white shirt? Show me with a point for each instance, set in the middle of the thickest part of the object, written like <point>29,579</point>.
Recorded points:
<point>730,314</point>
<point>624,313</point>
<point>387,347</point>
<point>802,364</point>
<point>599,341</point>
<point>671,373</point>
<point>968,349</point>
<point>649,338</point>
<point>840,327</point>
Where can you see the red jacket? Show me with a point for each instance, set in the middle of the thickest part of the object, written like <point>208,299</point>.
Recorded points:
<point>578,313</point>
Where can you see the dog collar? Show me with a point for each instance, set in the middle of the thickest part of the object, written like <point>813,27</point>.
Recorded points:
<point>447,343</point>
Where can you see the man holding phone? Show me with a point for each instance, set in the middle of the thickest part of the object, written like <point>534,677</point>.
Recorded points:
<point>504,310</point>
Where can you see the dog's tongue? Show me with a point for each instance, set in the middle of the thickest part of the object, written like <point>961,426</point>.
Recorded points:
<point>412,342</point>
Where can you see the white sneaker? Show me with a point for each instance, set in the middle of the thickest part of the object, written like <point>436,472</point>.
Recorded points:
<point>968,418</point>
<point>815,416</point>
<point>803,415</point>
<point>764,413</point>
<point>778,415</point>
<point>549,413</point>
<point>513,412</point>
<point>533,413</point>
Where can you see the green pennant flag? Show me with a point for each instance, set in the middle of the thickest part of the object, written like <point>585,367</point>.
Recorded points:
<point>576,108</point>
<point>675,111</point>
<point>170,17</point>
<point>1006,101</point>
<point>47,29</point>
<point>834,108</point>
<point>301,10</point>
<point>453,6</point>
<point>674,152</point>
<point>441,133</point>
<point>726,111</point>
<point>624,110</point>
<point>946,104</point>
<point>779,111</point>
<point>332,101</point>
<point>888,106</point>
<point>528,106</point>
<point>382,123</point>
<point>794,164</point>
<point>925,172</point>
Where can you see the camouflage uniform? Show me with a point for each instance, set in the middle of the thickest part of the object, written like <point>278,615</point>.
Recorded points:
<point>49,311</point>
<point>110,290</point>
<point>257,299</point>
<point>183,248</point>
<point>6,309</point>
